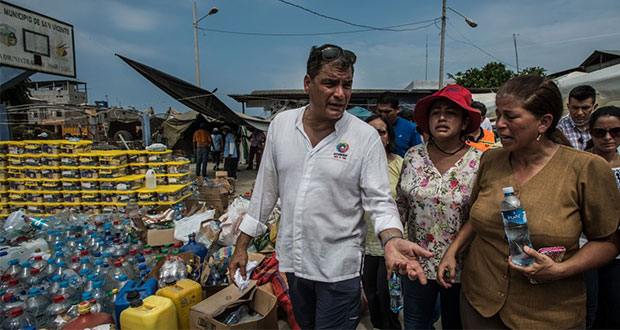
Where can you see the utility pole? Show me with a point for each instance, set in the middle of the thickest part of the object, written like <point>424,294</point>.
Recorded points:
<point>196,48</point>
<point>211,12</point>
<point>426,71</point>
<point>514,37</point>
<point>443,42</point>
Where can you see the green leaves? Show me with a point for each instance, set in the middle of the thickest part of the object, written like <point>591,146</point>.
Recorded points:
<point>492,75</point>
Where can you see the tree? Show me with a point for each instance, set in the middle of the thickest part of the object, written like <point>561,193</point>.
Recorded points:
<point>16,95</point>
<point>492,75</point>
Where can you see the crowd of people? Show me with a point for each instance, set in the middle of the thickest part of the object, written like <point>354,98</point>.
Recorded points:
<point>348,189</point>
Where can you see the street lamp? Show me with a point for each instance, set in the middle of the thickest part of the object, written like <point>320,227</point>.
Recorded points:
<point>469,22</point>
<point>211,12</point>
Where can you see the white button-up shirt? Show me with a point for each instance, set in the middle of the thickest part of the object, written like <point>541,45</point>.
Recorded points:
<point>324,191</point>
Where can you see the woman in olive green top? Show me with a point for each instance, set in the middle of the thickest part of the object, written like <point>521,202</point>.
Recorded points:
<point>563,191</point>
<point>374,277</point>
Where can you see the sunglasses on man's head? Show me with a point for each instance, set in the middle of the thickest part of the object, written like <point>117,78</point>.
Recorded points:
<point>332,53</point>
<point>601,132</point>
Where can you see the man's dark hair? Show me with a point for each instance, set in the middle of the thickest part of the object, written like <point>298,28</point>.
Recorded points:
<point>480,106</point>
<point>391,146</point>
<point>388,98</point>
<point>316,61</point>
<point>582,93</point>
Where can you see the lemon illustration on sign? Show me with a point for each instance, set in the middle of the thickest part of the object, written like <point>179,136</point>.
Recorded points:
<point>7,35</point>
<point>61,49</point>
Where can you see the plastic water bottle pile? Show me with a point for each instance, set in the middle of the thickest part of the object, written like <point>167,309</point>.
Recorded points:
<point>48,266</point>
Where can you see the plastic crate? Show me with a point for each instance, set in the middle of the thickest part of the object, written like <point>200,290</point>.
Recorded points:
<point>159,156</point>
<point>51,147</point>
<point>89,184</point>
<point>89,172</point>
<point>112,158</point>
<point>72,197</point>
<point>51,185</point>
<point>52,197</point>
<point>179,166</point>
<point>32,147</point>
<point>17,185</point>
<point>16,161</point>
<point>182,178</point>
<point>124,183</point>
<point>71,185</point>
<point>88,159</point>
<point>50,160</point>
<point>138,169</point>
<point>137,156</point>
<point>171,193</point>
<point>16,147</point>
<point>51,173</point>
<point>91,197</point>
<point>32,173</point>
<point>112,172</point>
<point>70,172</point>
<point>34,197</point>
<point>69,160</point>
<point>75,147</point>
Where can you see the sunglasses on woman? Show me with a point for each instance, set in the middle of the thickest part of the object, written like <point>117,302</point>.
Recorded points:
<point>381,132</point>
<point>331,53</point>
<point>601,132</point>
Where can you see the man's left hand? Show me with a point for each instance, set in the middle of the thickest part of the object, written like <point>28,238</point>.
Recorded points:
<point>402,256</point>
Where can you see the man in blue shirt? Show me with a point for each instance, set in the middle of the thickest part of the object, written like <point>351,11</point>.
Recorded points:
<point>406,135</point>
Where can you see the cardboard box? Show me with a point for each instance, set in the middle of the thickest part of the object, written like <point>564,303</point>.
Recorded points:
<point>215,191</point>
<point>204,276</point>
<point>218,206</point>
<point>203,315</point>
<point>154,237</point>
<point>221,174</point>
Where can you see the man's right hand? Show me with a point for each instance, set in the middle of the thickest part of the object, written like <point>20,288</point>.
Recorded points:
<point>239,258</point>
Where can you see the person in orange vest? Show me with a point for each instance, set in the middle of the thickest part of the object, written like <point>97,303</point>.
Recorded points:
<point>481,139</point>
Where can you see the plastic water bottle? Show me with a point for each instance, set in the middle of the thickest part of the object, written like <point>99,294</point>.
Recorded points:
<point>17,320</point>
<point>516,228</point>
<point>396,298</point>
<point>237,315</point>
<point>35,306</point>
<point>54,312</point>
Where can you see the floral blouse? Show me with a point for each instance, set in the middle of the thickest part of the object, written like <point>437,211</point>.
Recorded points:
<point>434,205</point>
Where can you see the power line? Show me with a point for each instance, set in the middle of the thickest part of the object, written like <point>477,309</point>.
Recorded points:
<point>476,46</point>
<point>432,21</point>
<point>333,18</point>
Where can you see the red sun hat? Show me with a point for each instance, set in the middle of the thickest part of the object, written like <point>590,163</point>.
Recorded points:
<point>455,93</point>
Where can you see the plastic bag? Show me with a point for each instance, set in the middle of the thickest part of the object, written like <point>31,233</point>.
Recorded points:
<point>231,221</point>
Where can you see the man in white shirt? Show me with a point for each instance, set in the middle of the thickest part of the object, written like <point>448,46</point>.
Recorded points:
<point>327,167</point>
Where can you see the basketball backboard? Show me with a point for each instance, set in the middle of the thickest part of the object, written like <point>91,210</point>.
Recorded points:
<point>35,42</point>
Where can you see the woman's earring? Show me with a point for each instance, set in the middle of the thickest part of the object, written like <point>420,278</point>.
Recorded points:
<point>538,137</point>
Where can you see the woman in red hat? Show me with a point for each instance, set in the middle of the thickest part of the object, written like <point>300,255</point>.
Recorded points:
<point>433,198</point>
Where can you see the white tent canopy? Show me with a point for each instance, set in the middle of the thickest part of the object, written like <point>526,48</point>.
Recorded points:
<point>606,82</point>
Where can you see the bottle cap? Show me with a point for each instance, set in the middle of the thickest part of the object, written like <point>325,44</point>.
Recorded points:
<point>87,295</point>
<point>17,311</point>
<point>135,302</point>
<point>13,262</point>
<point>13,282</point>
<point>131,295</point>
<point>59,298</point>
<point>37,258</point>
<point>5,277</point>
<point>508,190</point>
<point>123,277</point>
<point>34,271</point>
<point>84,307</point>
<point>7,297</point>
<point>84,253</point>
<point>34,292</point>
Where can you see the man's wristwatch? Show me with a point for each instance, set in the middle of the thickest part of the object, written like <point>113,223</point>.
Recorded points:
<point>391,236</point>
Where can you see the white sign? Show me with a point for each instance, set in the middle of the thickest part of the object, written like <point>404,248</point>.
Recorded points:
<point>35,42</point>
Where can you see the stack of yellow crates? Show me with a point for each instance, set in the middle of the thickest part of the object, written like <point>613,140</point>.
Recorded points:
<point>46,176</point>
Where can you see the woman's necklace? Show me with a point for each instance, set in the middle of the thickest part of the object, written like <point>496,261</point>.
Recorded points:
<point>447,153</point>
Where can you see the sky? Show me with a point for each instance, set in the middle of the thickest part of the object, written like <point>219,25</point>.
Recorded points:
<point>553,34</point>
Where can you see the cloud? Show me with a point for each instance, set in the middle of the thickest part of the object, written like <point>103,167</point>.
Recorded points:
<point>130,18</point>
<point>100,45</point>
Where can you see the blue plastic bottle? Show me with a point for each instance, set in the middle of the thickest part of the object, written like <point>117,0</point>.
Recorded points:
<point>198,249</point>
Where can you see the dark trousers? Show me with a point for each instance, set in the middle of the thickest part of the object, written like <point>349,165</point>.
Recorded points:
<point>419,304</point>
<point>608,314</point>
<point>202,155</point>
<point>321,305</point>
<point>592,291</point>
<point>230,165</point>
<point>376,290</point>
<point>254,151</point>
<point>216,158</point>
